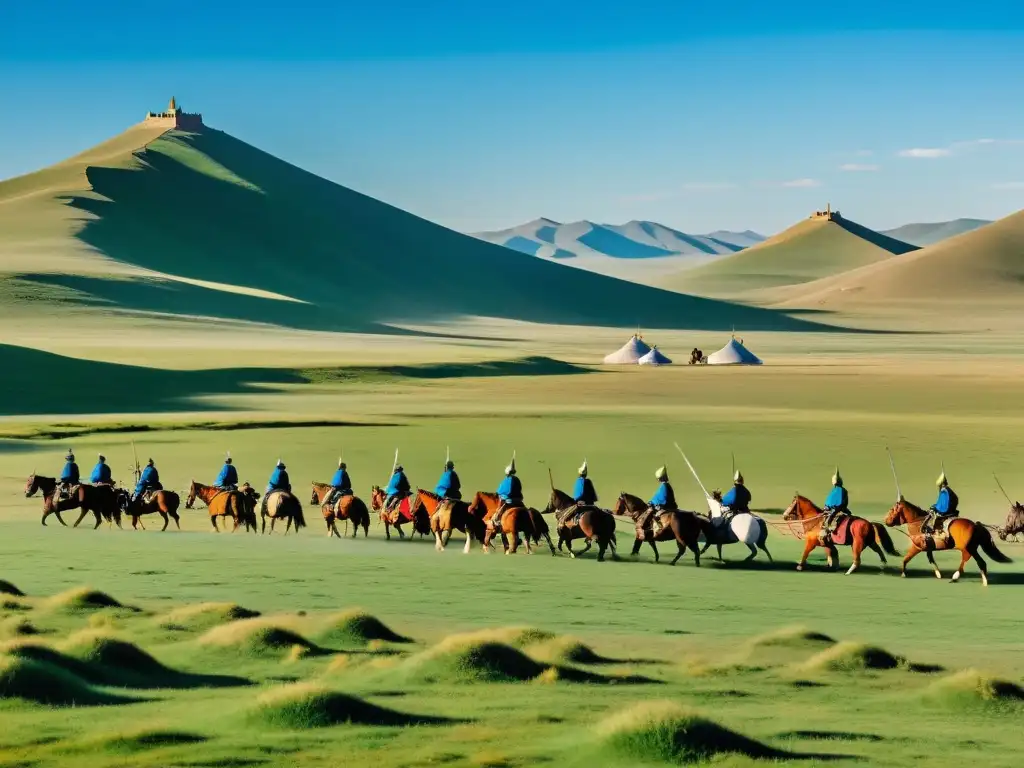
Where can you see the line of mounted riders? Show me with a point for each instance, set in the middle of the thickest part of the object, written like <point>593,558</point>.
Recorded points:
<point>504,513</point>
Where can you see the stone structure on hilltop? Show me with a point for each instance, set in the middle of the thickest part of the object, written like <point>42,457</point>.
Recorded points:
<point>828,214</point>
<point>175,118</point>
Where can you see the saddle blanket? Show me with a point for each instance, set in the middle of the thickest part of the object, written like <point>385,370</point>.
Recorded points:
<point>840,535</point>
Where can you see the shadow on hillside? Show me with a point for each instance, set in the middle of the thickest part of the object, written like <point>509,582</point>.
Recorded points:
<point>359,263</point>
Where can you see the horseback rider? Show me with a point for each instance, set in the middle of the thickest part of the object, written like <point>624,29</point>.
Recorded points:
<point>836,505</point>
<point>449,486</point>
<point>945,507</point>
<point>278,482</point>
<point>663,500</point>
<point>510,493</point>
<point>398,488</point>
<point>341,484</point>
<point>737,498</point>
<point>227,480</point>
<point>583,493</point>
<point>69,476</point>
<point>101,474</point>
<point>149,480</point>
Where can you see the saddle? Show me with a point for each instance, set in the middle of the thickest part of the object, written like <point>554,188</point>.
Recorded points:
<point>67,491</point>
<point>572,515</point>
<point>399,507</point>
<point>840,533</point>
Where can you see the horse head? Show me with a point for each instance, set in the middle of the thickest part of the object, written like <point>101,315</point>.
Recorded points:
<point>1014,522</point>
<point>191,499</point>
<point>376,498</point>
<point>559,500</point>
<point>316,494</point>
<point>902,513</point>
<point>31,485</point>
<point>801,508</point>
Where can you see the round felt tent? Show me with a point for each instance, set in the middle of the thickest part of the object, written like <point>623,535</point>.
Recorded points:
<point>654,357</point>
<point>733,353</point>
<point>630,352</point>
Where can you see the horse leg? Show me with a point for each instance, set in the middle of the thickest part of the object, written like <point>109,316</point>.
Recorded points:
<point>857,548</point>
<point>719,553</point>
<point>931,559</point>
<point>982,565</point>
<point>602,545</point>
<point>213,519</point>
<point>568,544</point>
<point>437,541</point>
<point>81,517</point>
<point>446,536</point>
<point>401,533</point>
<point>637,543</point>
<point>654,546</point>
<point>833,556</point>
<point>809,546</point>
<point>960,571</point>
<point>753,553</point>
<point>167,521</point>
<point>707,546</point>
<point>288,525</point>
<point>913,552</point>
<point>99,518</point>
<point>547,537</point>
<point>680,553</point>
<point>387,530</point>
<point>881,554</point>
<point>176,518</point>
<point>469,540</point>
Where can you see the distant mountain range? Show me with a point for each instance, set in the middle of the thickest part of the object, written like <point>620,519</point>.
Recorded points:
<point>931,233</point>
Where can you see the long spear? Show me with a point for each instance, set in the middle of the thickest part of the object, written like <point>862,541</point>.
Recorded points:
<point>693,471</point>
<point>138,471</point>
<point>892,465</point>
<point>1002,489</point>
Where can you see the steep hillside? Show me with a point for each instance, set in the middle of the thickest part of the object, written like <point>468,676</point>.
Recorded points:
<point>188,225</point>
<point>807,251</point>
<point>931,233</point>
<point>981,269</point>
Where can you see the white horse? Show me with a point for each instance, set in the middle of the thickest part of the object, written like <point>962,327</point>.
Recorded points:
<point>742,527</point>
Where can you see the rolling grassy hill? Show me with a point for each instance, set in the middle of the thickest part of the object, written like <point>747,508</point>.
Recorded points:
<point>184,226</point>
<point>809,250</point>
<point>934,232</point>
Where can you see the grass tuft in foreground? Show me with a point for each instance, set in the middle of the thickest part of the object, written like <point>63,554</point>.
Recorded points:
<point>304,705</point>
<point>971,688</point>
<point>257,638</point>
<point>203,616</point>
<point>851,657</point>
<point>41,683</point>
<point>463,659</point>
<point>357,628</point>
<point>82,599</point>
<point>6,588</point>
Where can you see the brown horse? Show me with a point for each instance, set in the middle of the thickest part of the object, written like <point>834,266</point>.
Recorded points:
<point>100,500</point>
<point>398,515</point>
<point>1014,525</point>
<point>515,522</point>
<point>282,505</point>
<point>447,515</point>
<point>860,533</point>
<point>346,508</point>
<point>960,534</point>
<point>589,523</point>
<point>163,502</point>
<point>234,504</point>
<point>684,527</point>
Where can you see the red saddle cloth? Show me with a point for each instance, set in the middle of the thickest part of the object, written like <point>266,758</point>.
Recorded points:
<point>841,534</point>
<point>405,508</point>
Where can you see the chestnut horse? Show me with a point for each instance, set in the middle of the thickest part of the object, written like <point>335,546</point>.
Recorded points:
<point>1014,525</point>
<point>346,508</point>
<point>515,521</point>
<point>282,505</point>
<point>395,517</point>
<point>164,502</point>
<point>589,523</point>
<point>862,533</point>
<point>234,504</point>
<point>447,515</point>
<point>680,525</point>
<point>101,500</point>
<point>960,534</point>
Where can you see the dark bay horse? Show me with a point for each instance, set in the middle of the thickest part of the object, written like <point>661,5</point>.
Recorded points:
<point>515,522</point>
<point>100,500</point>
<point>398,515</point>
<point>681,526</point>
<point>346,508</point>
<point>163,502</point>
<point>1014,525</point>
<point>447,515</point>
<point>234,504</point>
<point>282,505</point>
<point>861,533</point>
<point>960,534</point>
<point>590,523</point>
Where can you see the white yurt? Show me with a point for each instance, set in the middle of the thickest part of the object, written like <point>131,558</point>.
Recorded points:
<point>654,357</point>
<point>733,353</point>
<point>630,352</point>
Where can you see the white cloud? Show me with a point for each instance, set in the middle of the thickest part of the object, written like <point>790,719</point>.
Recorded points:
<point>1009,185</point>
<point>801,183</point>
<point>859,167</point>
<point>926,152</point>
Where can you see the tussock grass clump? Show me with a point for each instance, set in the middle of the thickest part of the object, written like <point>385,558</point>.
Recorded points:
<point>791,637</point>
<point>41,683</point>
<point>256,637</point>
<point>17,626</point>
<point>465,659</point>
<point>517,637</point>
<point>565,650</point>
<point>663,731</point>
<point>304,705</point>
<point>969,687</point>
<point>83,599</point>
<point>97,648</point>
<point>851,657</point>
<point>145,739</point>
<point>357,628</point>
<point>203,616</point>
<point>6,588</point>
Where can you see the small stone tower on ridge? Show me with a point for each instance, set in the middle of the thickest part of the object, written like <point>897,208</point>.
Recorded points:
<point>174,118</point>
<point>828,214</point>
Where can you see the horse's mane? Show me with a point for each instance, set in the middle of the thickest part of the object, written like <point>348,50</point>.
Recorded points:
<point>562,496</point>
<point>428,494</point>
<point>913,507</point>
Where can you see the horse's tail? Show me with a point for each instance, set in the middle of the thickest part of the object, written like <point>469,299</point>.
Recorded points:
<point>989,547</point>
<point>298,517</point>
<point>762,538</point>
<point>885,539</point>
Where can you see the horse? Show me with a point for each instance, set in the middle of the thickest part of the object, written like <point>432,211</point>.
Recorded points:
<point>515,521</point>
<point>163,502</point>
<point>1014,524</point>
<point>447,515</point>
<point>282,505</point>
<point>235,504</point>
<point>98,499</point>
<point>859,533</point>
<point>398,515</point>
<point>346,508</point>
<point>745,527</point>
<point>591,523</point>
<point>960,533</point>
<point>682,526</point>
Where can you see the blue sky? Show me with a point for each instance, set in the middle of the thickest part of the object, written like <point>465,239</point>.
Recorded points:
<point>483,115</point>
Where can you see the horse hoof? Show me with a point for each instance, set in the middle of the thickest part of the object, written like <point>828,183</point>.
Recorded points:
<point>903,574</point>
<point>938,574</point>
<point>799,567</point>
<point>956,578</point>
